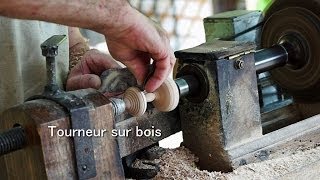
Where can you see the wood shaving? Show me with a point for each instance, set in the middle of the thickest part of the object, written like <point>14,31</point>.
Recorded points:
<point>180,163</point>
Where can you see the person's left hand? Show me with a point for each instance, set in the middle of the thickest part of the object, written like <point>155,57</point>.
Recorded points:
<point>86,73</point>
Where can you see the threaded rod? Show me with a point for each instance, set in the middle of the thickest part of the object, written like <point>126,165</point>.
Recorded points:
<point>12,140</point>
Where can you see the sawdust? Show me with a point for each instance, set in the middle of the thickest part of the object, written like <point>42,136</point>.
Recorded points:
<point>180,163</point>
<point>76,53</point>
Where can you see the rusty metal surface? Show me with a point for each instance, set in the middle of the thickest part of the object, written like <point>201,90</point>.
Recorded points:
<point>214,50</point>
<point>204,138</point>
<point>202,128</point>
<point>229,115</point>
<point>239,101</point>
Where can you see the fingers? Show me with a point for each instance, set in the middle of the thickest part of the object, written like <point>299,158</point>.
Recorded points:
<point>138,60</point>
<point>135,60</point>
<point>94,62</point>
<point>97,62</point>
<point>139,67</point>
<point>83,81</point>
<point>164,59</point>
<point>162,71</point>
<point>86,73</point>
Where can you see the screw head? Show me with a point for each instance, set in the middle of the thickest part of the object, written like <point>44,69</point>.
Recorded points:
<point>84,167</point>
<point>239,64</point>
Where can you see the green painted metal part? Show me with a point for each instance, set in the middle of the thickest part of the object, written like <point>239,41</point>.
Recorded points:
<point>228,24</point>
<point>263,5</point>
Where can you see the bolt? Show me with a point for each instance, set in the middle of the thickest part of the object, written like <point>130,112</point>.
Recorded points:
<point>84,167</point>
<point>263,155</point>
<point>239,64</point>
<point>242,162</point>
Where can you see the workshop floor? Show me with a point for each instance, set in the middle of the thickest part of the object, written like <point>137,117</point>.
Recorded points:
<point>180,164</point>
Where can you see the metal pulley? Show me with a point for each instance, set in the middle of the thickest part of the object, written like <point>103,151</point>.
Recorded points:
<point>295,25</point>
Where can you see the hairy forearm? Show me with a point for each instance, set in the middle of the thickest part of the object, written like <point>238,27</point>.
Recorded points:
<point>75,37</point>
<point>97,15</point>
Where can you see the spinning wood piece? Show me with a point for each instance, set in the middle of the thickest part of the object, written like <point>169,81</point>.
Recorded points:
<point>135,100</point>
<point>165,98</point>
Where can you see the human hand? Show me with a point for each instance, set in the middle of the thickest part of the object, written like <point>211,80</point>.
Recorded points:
<point>132,38</point>
<point>86,73</point>
<point>134,41</point>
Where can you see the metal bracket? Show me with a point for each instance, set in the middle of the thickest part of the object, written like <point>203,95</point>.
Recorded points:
<point>79,111</point>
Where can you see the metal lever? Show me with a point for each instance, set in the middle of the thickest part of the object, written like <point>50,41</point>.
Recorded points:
<point>77,108</point>
<point>50,51</point>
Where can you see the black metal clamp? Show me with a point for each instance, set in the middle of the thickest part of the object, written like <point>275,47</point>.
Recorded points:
<point>79,111</point>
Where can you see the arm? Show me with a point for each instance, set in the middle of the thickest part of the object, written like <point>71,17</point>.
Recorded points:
<point>131,37</point>
<point>92,14</point>
<point>76,38</point>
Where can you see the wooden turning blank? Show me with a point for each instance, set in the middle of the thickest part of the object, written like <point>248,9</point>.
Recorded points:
<point>135,100</point>
<point>165,98</point>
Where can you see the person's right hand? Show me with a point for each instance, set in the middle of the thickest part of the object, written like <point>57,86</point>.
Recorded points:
<point>135,41</point>
<point>86,74</point>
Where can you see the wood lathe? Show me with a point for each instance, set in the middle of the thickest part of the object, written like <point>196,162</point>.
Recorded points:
<point>250,93</point>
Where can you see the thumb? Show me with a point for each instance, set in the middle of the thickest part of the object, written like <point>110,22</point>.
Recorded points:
<point>83,82</point>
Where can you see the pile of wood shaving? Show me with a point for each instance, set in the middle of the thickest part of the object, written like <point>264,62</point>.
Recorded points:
<point>180,163</point>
